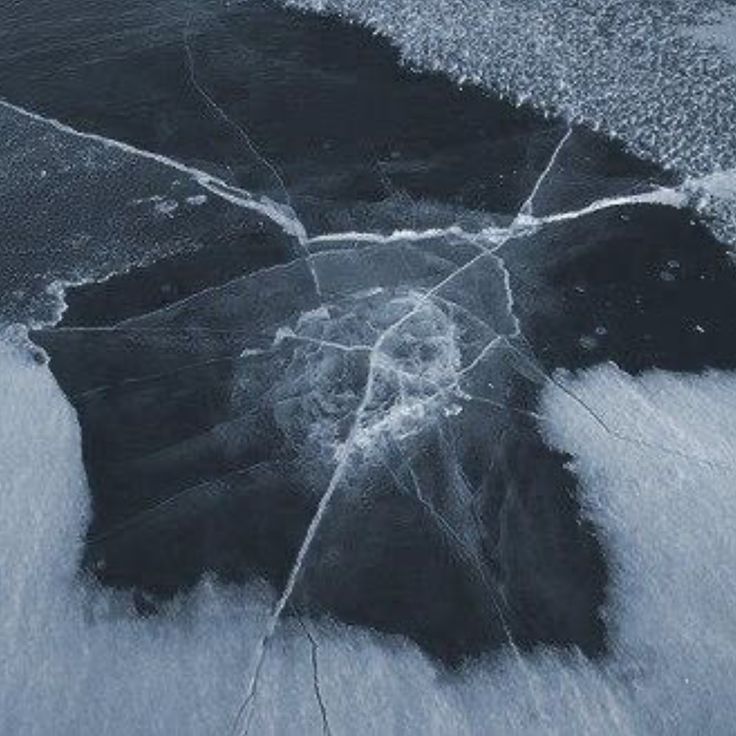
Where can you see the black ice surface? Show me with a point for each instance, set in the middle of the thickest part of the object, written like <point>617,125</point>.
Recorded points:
<point>222,393</point>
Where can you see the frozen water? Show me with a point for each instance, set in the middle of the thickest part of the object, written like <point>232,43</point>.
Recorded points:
<point>348,364</point>
<point>661,495</point>
<point>656,75</point>
<point>354,414</point>
<point>136,196</point>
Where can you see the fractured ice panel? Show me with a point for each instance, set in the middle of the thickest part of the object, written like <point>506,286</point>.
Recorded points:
<point>351,372</point>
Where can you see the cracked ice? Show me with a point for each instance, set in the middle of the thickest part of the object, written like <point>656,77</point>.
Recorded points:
<point>365,361</point>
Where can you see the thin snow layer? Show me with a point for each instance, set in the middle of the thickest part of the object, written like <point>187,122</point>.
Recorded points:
<point>74,660</point>
<point>655,461</point>
<point>655,456</point>
<point>652,74</point>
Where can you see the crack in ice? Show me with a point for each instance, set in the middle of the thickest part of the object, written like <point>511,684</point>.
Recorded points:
<point>284,334</point>
<point>676,197</point>
<point>245,137</point>
<point>488,240</point>
<point>245,714</point>
<point>526,210</point>
<point>273,211</point>
<point>218,109</point>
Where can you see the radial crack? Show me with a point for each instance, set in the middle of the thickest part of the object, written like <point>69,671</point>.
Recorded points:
<point>246,710</point>
<point>677,197</point>
<point>288,222</point>
<point>526,210</point>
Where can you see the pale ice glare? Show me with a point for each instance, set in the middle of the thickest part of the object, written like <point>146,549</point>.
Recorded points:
<point>658,481</point>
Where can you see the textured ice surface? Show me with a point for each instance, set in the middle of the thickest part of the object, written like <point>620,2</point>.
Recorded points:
<point>100,207</point>
<point>642,71</point>
<point>75,663</point>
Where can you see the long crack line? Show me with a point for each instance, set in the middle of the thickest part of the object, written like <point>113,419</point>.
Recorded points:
<point>218,109</point>
<point>245,137</point>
